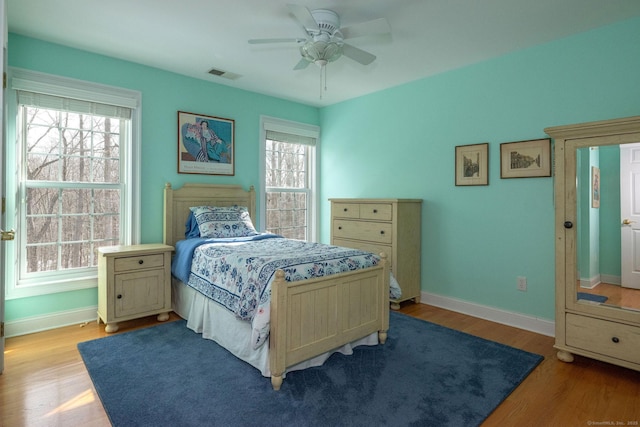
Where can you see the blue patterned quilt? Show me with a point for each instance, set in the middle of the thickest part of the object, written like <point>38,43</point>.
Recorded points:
<point>238,275</point>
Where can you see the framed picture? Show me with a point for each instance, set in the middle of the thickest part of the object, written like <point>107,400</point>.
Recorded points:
<point>525,159</point>
<point>472,164</point>
<point>205,144</point>
<point>595,187</point>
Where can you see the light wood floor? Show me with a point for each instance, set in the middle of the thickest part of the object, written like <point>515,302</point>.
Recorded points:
<point>45,382</point>
<point>617,295</point>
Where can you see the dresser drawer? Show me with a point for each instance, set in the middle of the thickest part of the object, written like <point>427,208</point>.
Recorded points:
<point>378,232</point>
<point>375,211</point>
<point>138,262</point>
<point>378,211</point>
<point>345,210</point>
<point>604,337</point>
<point>365,246</point>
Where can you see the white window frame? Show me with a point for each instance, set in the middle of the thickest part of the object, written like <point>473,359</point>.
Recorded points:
<point>130,163</point>
<point>294,128</point>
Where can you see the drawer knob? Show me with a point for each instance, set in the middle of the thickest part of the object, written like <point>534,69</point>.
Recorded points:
<point>340,228</point>
<point>141,262</point>
<point>381,231</point>
<point>375,211</point>
<point>119,296</point>
<point>615,340</point>
<point>345,209</point>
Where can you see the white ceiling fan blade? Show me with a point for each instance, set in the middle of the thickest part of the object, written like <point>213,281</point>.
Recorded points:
<point>302,64</point>
<point>264,41</point>
<point>377,26</point>
<point>303,15</point>
<point>358,55</point>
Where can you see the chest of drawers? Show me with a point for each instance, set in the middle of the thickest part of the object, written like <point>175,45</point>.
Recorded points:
<point>133,281</point>
<point>383,225</point>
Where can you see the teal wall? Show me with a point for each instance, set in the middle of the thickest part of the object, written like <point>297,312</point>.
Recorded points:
<point>163,94</point>
<point>400,143</point>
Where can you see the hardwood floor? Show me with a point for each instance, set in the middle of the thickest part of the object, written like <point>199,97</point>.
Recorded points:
<point>45,382</point>
<point>617,295</point>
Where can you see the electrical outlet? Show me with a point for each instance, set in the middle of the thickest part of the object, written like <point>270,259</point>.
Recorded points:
<point>522,283</point>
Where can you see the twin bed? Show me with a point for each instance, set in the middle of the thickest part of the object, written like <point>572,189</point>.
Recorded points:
<point>284,315</point>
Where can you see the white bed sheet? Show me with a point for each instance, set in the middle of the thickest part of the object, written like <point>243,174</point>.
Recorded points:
<point>216,323</point>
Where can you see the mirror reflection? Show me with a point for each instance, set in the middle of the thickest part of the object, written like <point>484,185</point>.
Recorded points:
<point>608,225</point>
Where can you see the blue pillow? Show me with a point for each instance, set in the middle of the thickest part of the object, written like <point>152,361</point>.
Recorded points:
<point>191,228</point>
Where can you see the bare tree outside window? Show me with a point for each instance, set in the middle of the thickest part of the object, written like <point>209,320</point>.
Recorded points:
<point>71,188</point>
<point>288,192</point>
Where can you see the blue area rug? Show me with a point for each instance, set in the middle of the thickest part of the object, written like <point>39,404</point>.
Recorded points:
<point>591,297</point>
<point>425,375</point>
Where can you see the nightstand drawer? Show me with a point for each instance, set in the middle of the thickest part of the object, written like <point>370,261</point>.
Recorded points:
<point>138,262</point>
<point>378,232</point>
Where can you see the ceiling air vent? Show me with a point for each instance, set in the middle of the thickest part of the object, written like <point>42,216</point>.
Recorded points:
<point>224,74</point>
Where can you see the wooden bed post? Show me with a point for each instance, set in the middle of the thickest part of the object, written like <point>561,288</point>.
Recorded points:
<point>384,297</point>
<point>278,332</point>
<point>167,225</point>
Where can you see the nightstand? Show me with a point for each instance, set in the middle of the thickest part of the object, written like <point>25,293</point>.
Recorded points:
<point>133,281</point>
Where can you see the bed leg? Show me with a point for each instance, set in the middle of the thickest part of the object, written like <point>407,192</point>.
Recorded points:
<point>382,336</point>
<point>276,381</point>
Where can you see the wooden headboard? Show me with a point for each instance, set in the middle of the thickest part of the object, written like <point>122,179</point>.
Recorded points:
<point>177,204</point>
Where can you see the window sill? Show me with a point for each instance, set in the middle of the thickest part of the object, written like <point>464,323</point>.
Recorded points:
<point>50,287</point>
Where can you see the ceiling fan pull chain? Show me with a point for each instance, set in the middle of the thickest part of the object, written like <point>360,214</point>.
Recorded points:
<point>321,68</point>
<point>325,78</point>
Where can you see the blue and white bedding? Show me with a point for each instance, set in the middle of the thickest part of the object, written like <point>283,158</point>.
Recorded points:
<point>237,272</point>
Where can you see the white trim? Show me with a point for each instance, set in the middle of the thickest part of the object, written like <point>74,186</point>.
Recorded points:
<point>49,84</point>
<point>517,320</point>
<point>130,157</point>
<point>609,278</point>
<point>287,126</point>
<point>29,325</point>
<point>50,287</point>
<point>591,282</point>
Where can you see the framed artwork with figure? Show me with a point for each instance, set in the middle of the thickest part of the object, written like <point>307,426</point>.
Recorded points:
<point>205,144</point>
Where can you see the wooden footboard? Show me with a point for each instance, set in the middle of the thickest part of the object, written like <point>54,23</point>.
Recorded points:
<point>314,316</point>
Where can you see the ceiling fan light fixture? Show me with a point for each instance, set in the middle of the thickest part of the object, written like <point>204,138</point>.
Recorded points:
<point>319,51</point>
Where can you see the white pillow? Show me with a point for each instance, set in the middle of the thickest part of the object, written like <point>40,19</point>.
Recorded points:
<point>220,222</point>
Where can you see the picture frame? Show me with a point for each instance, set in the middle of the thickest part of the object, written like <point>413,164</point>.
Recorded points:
<point>525,159</point>
<point>472,164</point>
<point>206,144</point>
<point>595,187</point>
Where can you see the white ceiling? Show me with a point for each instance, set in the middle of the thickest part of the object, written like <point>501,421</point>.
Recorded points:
<point>192,36</point>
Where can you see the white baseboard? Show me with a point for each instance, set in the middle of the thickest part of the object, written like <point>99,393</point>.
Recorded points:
<point>59,319</point>
<point>30,325</point>
<point>517,320</point>
<point>614,280</point>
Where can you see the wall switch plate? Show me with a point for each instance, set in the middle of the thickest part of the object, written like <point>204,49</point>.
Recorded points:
<point>522,283</point>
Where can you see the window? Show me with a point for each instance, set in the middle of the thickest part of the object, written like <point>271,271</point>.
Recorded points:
<point>75,182</point>
<point>289,179</point>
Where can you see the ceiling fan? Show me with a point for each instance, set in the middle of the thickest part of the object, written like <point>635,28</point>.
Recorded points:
<point>324,41</point>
